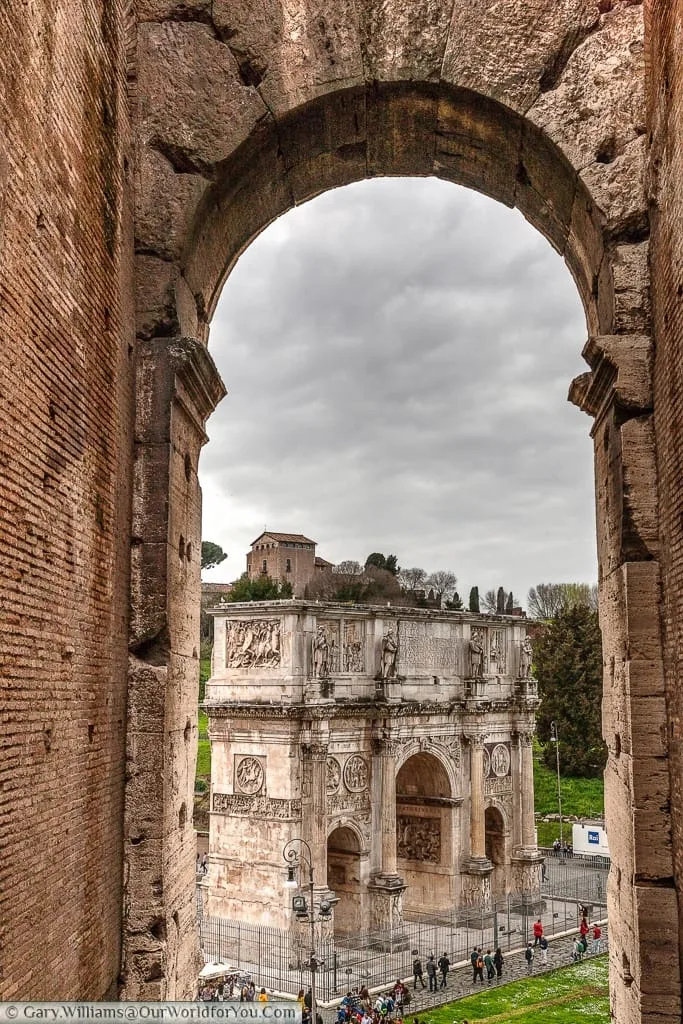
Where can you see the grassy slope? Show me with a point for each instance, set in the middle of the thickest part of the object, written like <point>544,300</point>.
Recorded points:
<point>567,996</point>
<point>581,797</point>
<point>204,749</point>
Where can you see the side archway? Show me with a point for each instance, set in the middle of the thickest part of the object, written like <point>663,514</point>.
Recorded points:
<point>344,879</point>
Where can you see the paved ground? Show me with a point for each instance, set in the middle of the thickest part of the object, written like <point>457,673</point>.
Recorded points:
<point>460,980</point>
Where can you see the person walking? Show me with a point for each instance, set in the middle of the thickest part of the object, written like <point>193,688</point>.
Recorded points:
<point>498,962</point>
<point>444,967</point>
<point>479,967</point>
<point>473,961</point>
<point>538,932</point>
<point>529,957</point>
<point>417,974</point>
<point>489,965</point>
<point>431,972</point>
<point>543,944</point>
<point>596,941</point>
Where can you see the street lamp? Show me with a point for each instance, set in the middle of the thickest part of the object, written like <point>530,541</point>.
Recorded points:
<point>297,854</point>
<point>554,738</point>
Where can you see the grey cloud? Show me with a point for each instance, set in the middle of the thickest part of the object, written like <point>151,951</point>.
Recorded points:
<point>397,355</point>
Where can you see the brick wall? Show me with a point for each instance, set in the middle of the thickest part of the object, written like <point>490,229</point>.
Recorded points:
<point>65,243</point>
<point>665,124</point>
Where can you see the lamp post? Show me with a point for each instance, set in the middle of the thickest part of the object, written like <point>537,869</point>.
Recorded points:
<point>297,854</point>
<point>554,738</point>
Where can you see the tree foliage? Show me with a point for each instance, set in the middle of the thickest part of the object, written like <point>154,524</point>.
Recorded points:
<point>568,663</point>
<point>261,588</point>
<point>496,601</point>
<point>412,579</point>
<point>454,603</point>
<point>547,600</point>
<point>474,600</point>
<point>379,561</point>
<point>444,582</point>
<point>212,554</point>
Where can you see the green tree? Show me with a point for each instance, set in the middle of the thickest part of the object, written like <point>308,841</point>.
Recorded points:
<point>454,604</point>
<point>379,561</point>
<point>546,600</point>
<point>262,588</point>
<point>509,604</point>
<point>568,663</point>
<point>212,554</point>
<point>474,600</point>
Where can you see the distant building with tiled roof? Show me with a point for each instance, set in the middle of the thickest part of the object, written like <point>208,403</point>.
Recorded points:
<point>285,556</point>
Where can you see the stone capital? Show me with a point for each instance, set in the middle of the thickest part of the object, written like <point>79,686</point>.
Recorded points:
<point>475,740</point>
<point>621,374</point>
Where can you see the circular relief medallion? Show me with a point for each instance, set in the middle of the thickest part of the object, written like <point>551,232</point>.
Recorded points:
<point>487,763</point>
<point>250,775</point>
<point>333,774</point>
<point>500,760</point>
<point>356,774</point>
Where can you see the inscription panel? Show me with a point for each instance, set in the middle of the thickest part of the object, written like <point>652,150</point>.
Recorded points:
<point>419,649</point>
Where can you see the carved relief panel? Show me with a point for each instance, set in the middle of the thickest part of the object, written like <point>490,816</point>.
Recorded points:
<point>333,775</point>
<point>326,649</point>
<point>497,767</point>
<point>418,838</point>
<point>356,774</point>
<point>250,774</point>
<point>255,643</point>
<point>498,652</point>
<point>354,646</point>
<point>478,652</point>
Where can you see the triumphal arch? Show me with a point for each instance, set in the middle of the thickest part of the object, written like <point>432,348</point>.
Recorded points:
<point>396,742</point>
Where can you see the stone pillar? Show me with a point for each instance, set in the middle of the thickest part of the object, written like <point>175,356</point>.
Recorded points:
<point>386,886</point>
<point>177,386</point>
<point>477,823</point>
<point>316,823</point>
<point>525,740</point>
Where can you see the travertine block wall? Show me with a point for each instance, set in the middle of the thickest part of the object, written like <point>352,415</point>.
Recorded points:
<point>66,337</point>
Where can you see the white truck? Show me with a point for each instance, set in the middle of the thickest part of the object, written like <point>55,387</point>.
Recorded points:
<point>590,839</point>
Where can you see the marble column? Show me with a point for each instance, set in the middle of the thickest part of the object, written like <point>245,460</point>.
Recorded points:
<point>317,817</point>
<point>527,790</point>
<point>386,887</point>
<point>477,799</point>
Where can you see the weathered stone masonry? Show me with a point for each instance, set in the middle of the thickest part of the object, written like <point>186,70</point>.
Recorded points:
<point>214,118</point>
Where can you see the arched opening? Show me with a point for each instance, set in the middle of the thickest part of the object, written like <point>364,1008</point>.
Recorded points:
<point>541,160</point>
<point>343,877</point>
<point>425,834</point>
<point>496,851</point>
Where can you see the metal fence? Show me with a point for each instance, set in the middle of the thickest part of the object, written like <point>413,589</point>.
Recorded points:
<point>275,960</point>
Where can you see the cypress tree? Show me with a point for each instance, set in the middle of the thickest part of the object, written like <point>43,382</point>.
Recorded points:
<point>474,600</point>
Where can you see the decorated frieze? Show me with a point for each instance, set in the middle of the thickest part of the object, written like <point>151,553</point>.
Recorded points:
<point>240,805</point>
<point>253,643</point>
<point>418,838</point>
<point>341,802</point>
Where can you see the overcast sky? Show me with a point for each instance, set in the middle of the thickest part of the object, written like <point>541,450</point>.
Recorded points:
<point>397,355</point>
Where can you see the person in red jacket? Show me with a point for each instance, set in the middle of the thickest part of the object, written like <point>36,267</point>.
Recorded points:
<point>538,932</point>
<point>597,936</point>
<point>583,927</point>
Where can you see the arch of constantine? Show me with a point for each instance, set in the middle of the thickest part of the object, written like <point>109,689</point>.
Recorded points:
<point>396,742</point>
<point>143,145</point>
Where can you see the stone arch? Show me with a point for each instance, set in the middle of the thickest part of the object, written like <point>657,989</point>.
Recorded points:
<point>440,754</point>
<point>344,877</point>
<point>497,839</point>
<point>345,822</point>
<point>539,106</point>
